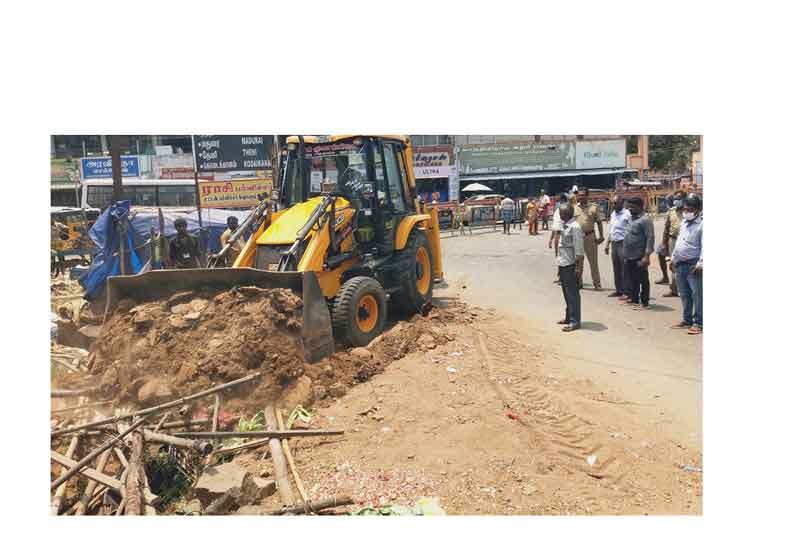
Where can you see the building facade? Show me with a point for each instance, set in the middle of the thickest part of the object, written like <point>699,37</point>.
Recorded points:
<point>522,165</point>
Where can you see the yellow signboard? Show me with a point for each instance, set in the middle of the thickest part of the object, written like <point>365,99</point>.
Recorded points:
<point>233,193</point>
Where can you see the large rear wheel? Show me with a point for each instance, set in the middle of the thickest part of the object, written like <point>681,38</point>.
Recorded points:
<point>415,274</point>
<point>359,312</point>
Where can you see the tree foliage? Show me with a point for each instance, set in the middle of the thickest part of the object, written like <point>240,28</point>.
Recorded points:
<point>671,153</point>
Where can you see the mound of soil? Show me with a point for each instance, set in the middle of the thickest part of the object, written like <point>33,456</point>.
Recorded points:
<point>153,351</point>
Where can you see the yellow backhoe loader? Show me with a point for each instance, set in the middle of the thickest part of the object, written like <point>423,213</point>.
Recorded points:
<point>345,231</point>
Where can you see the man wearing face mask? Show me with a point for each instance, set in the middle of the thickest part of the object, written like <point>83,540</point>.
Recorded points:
<point>672,225</point>
<point>637,249</point>
<point>688,266</point>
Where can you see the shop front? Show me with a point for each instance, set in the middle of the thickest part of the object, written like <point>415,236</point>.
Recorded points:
<point>521,170</point>
<point>434,169</point>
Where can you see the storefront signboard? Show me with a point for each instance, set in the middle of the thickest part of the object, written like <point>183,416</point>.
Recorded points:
<point>601,154</point>
<point>232,152</point>
<point>100,167</point>
<point>516,157</point>
<point>233,193</point>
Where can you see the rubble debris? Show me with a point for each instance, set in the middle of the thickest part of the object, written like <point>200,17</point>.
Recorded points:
<point>216,480</point>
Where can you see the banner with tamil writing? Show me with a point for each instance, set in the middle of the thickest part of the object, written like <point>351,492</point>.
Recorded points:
<point>515,157</point>
<point>233,193</point>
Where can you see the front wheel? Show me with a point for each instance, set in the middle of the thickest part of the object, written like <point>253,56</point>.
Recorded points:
<point>416,274</point>
<point>359,312</point>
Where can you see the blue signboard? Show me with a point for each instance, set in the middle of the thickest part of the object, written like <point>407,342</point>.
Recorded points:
<point>100,168</point>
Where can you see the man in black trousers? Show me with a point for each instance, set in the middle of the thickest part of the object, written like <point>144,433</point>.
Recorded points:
<point>571,252</point>
<point>637,249</point>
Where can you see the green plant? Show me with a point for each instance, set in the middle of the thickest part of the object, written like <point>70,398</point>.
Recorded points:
<point>256,423</point>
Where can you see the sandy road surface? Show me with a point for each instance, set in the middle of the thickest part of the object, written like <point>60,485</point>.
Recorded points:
<point>532,421</point>
<point>633,352</point>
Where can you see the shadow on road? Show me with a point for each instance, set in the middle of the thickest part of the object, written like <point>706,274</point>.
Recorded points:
<point>594,326</point>
<point>660,308</point>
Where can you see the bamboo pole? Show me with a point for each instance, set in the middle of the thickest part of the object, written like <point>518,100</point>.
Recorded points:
<point>74,393</point>
<point>162,421</point>
<point>87,459</point>
<point>244,446</point>
<point>133,485</point>
<point>91,474</point>
<point>201,446</point>
<point>59,493</point>
<point>291,461</point>
<point>158,408</point>
<point>315,507</point>
<point>216,410</point>
<point>295,433</point>
<point>122,458</point>
<point>81,506</point>
<point>181,423</point>
<point>80,407</point>
<point>279,463</point>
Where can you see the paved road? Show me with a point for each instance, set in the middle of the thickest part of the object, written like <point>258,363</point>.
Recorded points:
<point>632,352</point>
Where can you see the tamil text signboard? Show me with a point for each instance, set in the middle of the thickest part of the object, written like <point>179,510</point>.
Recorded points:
<point>232,152</point>
<point>437,155</point>
<point>601,154</point>
<point>515,157</point>
<point>233,193</point>
<point>100,168</point>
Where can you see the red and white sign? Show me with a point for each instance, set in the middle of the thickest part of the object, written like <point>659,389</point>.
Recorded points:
<point>176,173</point>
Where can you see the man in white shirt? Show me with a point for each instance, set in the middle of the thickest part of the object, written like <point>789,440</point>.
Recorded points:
<point>508,206</point>
<point>556,228</point>
<point>618,221</point>
<point>571,251</point>
<point>543,203</point>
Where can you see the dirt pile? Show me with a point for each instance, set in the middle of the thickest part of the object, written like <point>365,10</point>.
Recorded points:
<point>194,340</point>
<point>156,351</point>
<point>345,368</point>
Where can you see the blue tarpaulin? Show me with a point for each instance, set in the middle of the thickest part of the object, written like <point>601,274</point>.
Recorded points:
<point>105,236</point>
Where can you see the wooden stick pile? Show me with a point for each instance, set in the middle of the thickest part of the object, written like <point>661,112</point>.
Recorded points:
<point>120,441</point>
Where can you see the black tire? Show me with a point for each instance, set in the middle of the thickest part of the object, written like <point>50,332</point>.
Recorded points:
<point>409,299</point>
<point>351,316</point>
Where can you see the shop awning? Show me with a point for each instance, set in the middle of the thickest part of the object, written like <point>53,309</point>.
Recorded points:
<point>546,174</point>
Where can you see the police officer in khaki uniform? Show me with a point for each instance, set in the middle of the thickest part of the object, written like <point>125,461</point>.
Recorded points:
<point>588,217</point>
<point>672,225</point>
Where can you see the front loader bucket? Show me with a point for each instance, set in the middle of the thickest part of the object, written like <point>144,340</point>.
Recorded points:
<point>316,326</point>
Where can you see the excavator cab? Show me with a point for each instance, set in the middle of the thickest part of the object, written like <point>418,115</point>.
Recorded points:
<point>346,232</point>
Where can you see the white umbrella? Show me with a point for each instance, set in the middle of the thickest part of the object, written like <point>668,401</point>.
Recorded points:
<point>476,187</point>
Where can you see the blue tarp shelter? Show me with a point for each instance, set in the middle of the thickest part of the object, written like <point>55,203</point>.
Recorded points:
<point>139,223</point>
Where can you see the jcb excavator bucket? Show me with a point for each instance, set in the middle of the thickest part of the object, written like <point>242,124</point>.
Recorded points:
<point>316,327</point>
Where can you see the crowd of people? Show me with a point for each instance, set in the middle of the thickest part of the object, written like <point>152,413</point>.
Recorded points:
<point>577,231</point>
